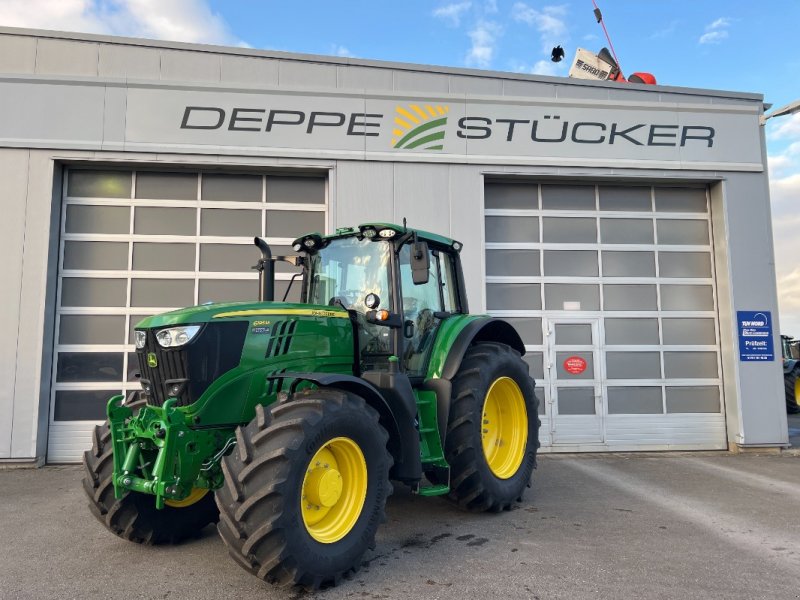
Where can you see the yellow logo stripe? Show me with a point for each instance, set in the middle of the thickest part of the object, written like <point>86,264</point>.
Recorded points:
<point>308,312</point>
<point>402,123</point>
<point>408,115</point>
<point>419,111</point>
<point>398,132</point>
<point>429,108</point>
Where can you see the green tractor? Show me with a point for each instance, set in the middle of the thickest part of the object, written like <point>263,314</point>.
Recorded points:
<point>791,373</point>
<point>285,422</point>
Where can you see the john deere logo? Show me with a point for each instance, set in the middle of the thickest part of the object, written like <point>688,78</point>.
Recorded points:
<point>152,361</point>
<point>419,126</point>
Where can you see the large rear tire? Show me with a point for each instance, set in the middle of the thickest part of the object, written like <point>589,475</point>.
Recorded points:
<point>306,488</point>
<point>791,382</point>
<point>493,429</point>
<point>134,517</point>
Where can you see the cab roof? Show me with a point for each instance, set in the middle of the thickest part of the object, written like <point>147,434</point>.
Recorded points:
<point>343,232</point>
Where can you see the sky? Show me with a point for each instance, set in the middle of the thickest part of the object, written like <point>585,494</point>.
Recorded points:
<point>737,45</point>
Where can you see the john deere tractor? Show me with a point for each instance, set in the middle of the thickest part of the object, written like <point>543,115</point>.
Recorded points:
<point>791,374</point>
<point>285,422</point>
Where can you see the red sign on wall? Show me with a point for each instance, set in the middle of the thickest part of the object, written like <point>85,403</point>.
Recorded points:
<point>574,365</point>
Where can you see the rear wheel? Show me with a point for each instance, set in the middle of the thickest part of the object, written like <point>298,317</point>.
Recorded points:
<point>791,382</point>
<point>306,490</point>
<point>134,517</point>
<point>493,429</point>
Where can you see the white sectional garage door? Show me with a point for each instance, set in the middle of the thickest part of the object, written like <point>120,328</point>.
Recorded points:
<point>612,289</point>
<point>136,243</point>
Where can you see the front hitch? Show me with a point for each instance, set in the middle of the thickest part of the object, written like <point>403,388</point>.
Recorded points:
<point>157,453</point>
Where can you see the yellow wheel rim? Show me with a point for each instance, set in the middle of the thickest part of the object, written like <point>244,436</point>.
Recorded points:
<point>797,391</point>
<point>194,496</point>
<point>334,490</point>
<point>504,428</point>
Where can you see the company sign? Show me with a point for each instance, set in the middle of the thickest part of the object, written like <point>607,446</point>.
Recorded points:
<point>457,130</point>
<point>142,117</point>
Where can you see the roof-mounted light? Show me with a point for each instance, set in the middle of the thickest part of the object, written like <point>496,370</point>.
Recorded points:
<point>387,233</point>
<point>369,232</point>
<point>457,246</point>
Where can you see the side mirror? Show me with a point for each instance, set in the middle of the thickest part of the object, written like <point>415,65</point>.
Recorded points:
<point>420,263</point>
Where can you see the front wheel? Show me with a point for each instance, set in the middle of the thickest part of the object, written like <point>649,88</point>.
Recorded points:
<point>306,490</point>
<point>493,429</point>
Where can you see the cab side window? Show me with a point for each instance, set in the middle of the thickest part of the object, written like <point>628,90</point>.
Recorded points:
<point>420,302</point>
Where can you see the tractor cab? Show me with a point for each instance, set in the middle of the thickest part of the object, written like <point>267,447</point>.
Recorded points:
<point>399,285</point>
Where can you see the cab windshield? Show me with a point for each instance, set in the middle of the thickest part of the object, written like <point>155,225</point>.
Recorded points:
<point>348,269</point>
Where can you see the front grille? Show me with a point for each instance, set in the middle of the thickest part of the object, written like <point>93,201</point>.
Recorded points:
<point>186,372</point>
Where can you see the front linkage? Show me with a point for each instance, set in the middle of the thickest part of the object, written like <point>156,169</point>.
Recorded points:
<point>156,452</point>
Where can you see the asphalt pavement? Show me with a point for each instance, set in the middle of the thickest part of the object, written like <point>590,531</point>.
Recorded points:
<point>634,526</point>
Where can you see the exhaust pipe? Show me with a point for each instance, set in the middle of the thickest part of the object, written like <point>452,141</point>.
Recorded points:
<point>266,272</point>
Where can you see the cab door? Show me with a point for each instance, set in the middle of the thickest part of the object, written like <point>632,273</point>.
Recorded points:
<point>423,307</point>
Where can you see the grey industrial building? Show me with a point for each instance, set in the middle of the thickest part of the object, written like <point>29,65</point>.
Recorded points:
<point>624,229</point>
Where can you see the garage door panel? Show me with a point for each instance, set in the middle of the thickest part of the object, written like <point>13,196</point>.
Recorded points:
<point>99,184</point>
<point>82,405</point>
<point>98,219</point>
<point>89,366</point>
<point>232,188</point>
<point>625,198</point>
<point>84,291</point>
<point>91,329</point>
<point>681,199</point>
<point>152,220</point>
<point>166,186</point>
<point>163,257</point>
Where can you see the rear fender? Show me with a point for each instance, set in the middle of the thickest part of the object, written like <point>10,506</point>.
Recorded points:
<point>456,336</point>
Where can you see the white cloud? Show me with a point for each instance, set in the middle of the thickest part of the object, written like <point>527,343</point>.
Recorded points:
<point>338,50</point>
<point>716,31</point>
<point>713,37</point>
<point>452,13</point>
<point>720,23</point>
<point>665,32</point>
<point>484,39</point>
<point>549,22</point>
<point>490,7</point>
<point>176,20</point>
<point>786,162</point>
<point>540,67</point>
<point>784,127</point>
<point>785,201</point>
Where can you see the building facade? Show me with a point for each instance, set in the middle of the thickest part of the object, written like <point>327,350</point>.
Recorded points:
<point>624,230</point>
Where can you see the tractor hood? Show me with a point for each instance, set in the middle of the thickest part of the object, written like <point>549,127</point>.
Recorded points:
<point>246,311</point>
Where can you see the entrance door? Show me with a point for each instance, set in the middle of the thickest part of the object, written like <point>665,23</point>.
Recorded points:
<point>576,391</point>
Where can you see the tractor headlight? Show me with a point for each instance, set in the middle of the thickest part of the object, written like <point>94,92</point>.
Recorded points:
<point>176,336</point>
<point>387,233</point>
<point>369,233</point>
<point>140,338</point>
